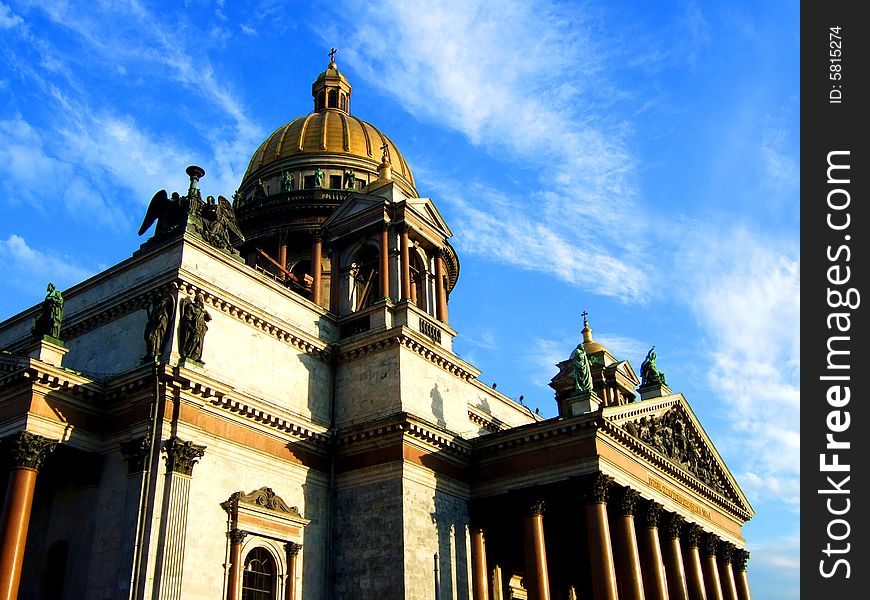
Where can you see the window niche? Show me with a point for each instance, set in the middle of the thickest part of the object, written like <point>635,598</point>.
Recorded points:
<point>263,534</point>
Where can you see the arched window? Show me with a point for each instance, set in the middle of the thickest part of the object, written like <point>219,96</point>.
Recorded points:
<point>320,101</point>
<point>366,282</point>
<point>418,281</point>
<point>260,576</point>
<point>333,99</point>
<point>343,105</point>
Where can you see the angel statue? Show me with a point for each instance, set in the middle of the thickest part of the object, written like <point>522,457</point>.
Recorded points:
<point>169,212</point>
<point>219,226</point>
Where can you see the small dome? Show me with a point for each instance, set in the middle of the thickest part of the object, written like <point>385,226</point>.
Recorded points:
<point>590,346</point>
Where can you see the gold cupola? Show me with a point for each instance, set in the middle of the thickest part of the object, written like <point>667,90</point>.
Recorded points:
<point>331,89</point>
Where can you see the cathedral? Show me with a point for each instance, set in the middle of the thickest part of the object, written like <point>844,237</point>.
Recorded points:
<point>263,403</point>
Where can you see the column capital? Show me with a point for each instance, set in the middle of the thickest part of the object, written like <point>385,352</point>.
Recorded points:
<point>709,541</point>
<point>739,558</point>
<point>626,501</point>
<point>236,536</point>
<point>725,551</point>
<point>672,524</point>
<point>181,456</point>
<point>25,450</point>
<point>292,548</point>
<point>317,235</point>
<point>135,452</point>
<point>692,534</point>
<point>650,512</point>
<point>597,488</point>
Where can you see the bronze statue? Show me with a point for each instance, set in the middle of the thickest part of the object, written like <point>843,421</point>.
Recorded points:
<point>218,222</point>
<point>582,372</point>
<point>318,178</point>
<point>192,327</point>
<point>170,214</point>
<point>350,180</point>
<point>287,182</point>
<point>649,374</point>
<point>51,315</point>
<point>159,316</point>
<point>260,189</point>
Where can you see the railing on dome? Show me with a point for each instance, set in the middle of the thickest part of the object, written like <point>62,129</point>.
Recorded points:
<point>244,205</point>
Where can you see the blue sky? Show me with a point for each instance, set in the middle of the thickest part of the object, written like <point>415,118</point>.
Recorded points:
<point>637,160</point>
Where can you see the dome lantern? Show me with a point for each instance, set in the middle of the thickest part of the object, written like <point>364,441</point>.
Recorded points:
<point>331,89</point>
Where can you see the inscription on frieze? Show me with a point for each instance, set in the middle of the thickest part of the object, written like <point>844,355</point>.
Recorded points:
<point>678,497</point>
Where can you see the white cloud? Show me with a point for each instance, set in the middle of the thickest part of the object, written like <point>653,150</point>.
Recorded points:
<point>26,264</point>
<point>747,302</point>
<point>531,95</point>
<point>8,19</point>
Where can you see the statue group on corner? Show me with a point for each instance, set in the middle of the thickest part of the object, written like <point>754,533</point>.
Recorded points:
<point>50,317</point>
<point>213,220</point>
<point>192,327</point>
<point>649,373</point>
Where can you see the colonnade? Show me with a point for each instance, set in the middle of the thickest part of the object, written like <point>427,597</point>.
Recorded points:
<point>636,550</point>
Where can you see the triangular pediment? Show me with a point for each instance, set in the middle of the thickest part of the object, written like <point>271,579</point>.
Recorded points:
<point>667,427</point>
<point>354,207</point>
<point>425,210</point>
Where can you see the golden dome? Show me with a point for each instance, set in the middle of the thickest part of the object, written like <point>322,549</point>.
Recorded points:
<point>333,132</point>
<point>329,138</point>
<point>590,346</point>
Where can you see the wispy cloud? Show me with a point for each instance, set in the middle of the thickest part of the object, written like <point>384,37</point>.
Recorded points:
<point>26,265</point>
<point>532,97</point>
<point>748,304</point>
<point>8,19</point>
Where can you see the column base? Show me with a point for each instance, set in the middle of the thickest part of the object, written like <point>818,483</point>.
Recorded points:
<point>656,390</point>
<point>49,350</point>
<point>583,402</point>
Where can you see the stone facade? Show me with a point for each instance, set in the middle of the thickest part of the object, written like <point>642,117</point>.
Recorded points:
<point>388,464</point>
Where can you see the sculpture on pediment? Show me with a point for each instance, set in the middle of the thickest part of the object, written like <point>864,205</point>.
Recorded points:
<point>159,314</point>
<point>649,373</point>
<point>50,317</point>
<point>582,371</point>
<point>192,328</point>
<point>671,436</point>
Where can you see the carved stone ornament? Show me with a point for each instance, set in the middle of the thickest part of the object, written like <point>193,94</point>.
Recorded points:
<point>650,514</point>
<point>135,452</point>
<point>160,312</point>
<point>670,436</point>
<point>673,523</point>
<point>725,551</point>
<point>692,534</point>
<point>181,456</point>
<point>626,500</point>
<point>292,548</point>
<point>264,497</point>
<point>25,450</point>
<point>709,542</point>
<point>739,558</point>
<point>597,488</point>
<point>236,536</point>
<point>192,328</point>
<point>537,507</point>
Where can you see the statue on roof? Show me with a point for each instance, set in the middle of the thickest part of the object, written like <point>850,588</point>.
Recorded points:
<point>287,182</point>
<point>219,227</point>
<point>51,314</point>
<point>349,180</point>
<point>318,178</point>
<point>649,373</point>
<point>260,191</point>
<point>582,372</point>
<point>169,212</point>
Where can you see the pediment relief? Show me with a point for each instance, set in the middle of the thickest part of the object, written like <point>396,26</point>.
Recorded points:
<point>668,427</point>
